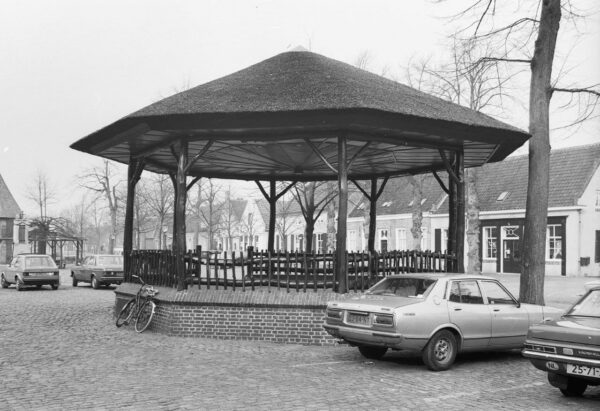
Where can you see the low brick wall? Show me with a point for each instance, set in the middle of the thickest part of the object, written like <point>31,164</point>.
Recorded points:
<point>276,316</point>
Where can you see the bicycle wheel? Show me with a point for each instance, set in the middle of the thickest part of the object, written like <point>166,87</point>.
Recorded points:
<point>145,316</point>
<point>126,313</point>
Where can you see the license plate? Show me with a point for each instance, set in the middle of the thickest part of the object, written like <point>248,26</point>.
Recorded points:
<point>361,319</point>
<point>583,370</point>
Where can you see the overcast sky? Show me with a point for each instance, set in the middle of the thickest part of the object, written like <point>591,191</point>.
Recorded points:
<point>69,68</point>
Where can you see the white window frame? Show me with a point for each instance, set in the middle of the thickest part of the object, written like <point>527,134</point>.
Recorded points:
<point>401,239</point>
<point>487,237</point>
<point>552,237</point>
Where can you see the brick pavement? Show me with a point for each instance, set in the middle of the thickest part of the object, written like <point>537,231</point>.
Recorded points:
<point>60,350</point>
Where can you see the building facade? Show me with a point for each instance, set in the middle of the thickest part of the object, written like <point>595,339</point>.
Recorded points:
<point>573,229</point>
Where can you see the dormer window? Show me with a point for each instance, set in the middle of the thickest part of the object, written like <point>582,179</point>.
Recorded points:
<point>503,196</point>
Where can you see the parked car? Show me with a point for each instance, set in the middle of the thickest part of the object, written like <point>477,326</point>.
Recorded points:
<point>30,270</point>
<point>436,315</point>
<point>98,270</point>
<point>568,349</point>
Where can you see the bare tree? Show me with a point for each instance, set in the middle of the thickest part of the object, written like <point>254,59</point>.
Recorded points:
<point>209,206</point>
<point>42,193</point>
<point>231,220</point>
<point>157,194</point>
<point>417,210</point>
<point>104,180</point>
<point>313,199</point>
<point>284,222</point>
<point>516,36</point>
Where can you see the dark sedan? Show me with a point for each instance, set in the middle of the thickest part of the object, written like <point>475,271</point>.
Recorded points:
<point>568,349</point>
<point>98,270</point>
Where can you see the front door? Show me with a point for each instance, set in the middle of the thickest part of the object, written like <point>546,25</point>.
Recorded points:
<point>511,249</point>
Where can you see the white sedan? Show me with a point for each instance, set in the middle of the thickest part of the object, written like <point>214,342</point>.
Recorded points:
<point>437,315</point>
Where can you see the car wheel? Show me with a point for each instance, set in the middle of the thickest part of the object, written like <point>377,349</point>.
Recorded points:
<point>3,282</point>
<point>440,351</point>
<point>18,284</point>
<point>575,388</point>
<point>54,286</point>
<point>74,279</point>
<point>372,353</point>
<point>95,284</point>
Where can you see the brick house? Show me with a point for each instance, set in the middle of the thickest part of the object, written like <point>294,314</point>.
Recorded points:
<point>573,231</point>
<point>13,232</point>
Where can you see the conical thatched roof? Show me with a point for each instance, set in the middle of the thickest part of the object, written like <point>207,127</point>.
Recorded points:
<point>268,120</point>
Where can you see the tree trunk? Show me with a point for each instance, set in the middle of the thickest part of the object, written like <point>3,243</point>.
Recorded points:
<point>536,214</point>
<point>308,234</point>
<point>473,226</point>
<point>417,212</point>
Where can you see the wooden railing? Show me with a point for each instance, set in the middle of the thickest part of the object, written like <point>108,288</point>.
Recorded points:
<point>280,269</point>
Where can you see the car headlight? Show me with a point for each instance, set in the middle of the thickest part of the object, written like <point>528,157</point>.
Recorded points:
<point>384,319</point>
<point>334,313</point>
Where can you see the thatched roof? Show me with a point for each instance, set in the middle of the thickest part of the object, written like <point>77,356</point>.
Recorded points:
<point>261,117</point>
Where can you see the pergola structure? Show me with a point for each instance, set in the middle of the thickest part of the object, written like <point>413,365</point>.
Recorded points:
<point>300,116</point>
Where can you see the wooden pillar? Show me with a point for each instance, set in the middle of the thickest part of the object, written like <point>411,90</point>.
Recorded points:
<point>134,171</point>
<point>179,214</point>
<point>372,214</point>
<point>341,259</point>
<point>272,215</point>
<point>460,211</point>
<point>451,248</point>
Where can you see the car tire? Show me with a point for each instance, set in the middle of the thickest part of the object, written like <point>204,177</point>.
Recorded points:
<point>74,279</point>
<point>575,388</point>
<point>3,282</point>
<point>54,286</point>
<point>18,284</point>
<point>372,353</point>
<point>95,284</point>
<point>440,352</point>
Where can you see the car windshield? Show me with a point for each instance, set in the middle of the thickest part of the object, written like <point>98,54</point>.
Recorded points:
<point>110,260</point>
<point>589,306</point>
<point>403,287</point>
<point>41,261</point>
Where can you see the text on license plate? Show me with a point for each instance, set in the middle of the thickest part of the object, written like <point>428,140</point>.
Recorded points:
<point>583,370</point>
<point>362,319</point>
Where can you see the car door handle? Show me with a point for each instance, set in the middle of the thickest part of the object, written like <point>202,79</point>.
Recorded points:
<point>457,309</point>
<point>496,309</point>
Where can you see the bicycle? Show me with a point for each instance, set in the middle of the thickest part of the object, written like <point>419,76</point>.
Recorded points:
<point>141,307</point>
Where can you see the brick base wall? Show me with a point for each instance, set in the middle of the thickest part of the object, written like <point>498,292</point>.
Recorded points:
<point>275,316</point>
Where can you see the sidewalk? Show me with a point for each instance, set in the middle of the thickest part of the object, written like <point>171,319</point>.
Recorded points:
<point>559,291</point>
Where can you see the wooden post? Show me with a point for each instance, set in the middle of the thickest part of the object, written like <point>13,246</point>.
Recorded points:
<point>341,258</point>
<point>179,214</point>
<point>372,214</point>
<point>460,211</point>
<point>451,248</point>
<point>134,172</point>
<point>272,215</point>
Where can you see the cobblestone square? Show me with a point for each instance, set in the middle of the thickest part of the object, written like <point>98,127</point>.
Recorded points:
<point>62,351</point>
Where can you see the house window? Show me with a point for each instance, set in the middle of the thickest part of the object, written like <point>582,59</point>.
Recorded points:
<point>321,238</point>
<point>21,234</point>
<point>489,242</point>
<point>383,239</point>
<point>554,242</point>
<point>351,240</point>
<point>424,239</point>
<point>400,238</point>
<point>597,259</point>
